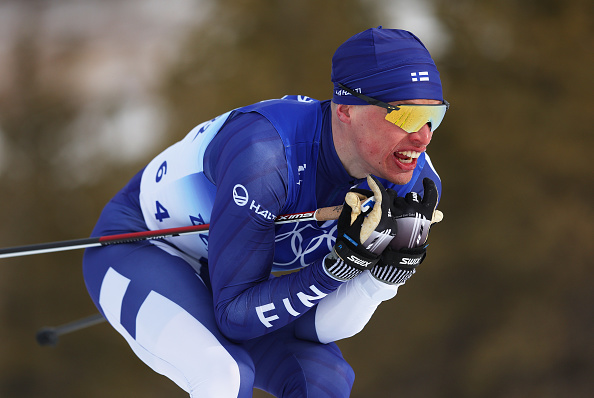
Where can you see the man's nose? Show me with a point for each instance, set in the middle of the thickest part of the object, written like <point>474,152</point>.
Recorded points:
<point>423,135</point>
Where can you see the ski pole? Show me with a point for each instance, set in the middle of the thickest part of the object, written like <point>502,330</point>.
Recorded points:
<point>48,336</point>
<point>322,214</point>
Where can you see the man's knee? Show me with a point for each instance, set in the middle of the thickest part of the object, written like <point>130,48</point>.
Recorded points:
<point>335,381</point>
<point>325,376</point>
<point>224,377</point>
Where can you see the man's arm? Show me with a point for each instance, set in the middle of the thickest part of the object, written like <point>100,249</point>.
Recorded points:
<point>247,163</point>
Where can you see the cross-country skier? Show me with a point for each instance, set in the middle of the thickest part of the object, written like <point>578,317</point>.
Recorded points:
<point>206,310</point>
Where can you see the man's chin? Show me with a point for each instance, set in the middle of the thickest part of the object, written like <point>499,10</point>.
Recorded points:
<point>400,178</point>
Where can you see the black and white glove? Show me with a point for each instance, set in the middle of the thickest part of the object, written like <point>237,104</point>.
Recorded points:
<point>413,217</point>
<point>364,231</point>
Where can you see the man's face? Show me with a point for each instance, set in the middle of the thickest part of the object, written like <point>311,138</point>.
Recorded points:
<point>382,148</point>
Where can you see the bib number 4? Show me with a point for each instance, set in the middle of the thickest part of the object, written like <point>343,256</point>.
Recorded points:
<point>161,213</point>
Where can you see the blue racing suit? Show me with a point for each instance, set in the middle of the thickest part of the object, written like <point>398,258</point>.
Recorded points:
<point>206,310</point>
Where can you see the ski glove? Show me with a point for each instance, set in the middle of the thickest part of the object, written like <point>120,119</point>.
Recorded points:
<point>414,217</point>
<point>364,231</point>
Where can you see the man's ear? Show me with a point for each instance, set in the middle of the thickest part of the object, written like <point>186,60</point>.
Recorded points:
<point>343,113</point>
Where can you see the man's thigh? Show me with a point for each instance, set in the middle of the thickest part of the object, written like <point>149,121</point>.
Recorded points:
<point>289,367</point>
<point>164,311</point>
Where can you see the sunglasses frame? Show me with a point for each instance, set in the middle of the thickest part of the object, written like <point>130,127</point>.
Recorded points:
<point>388,107</point>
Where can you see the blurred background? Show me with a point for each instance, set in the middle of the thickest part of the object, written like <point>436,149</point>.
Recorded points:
<point>503,307</point>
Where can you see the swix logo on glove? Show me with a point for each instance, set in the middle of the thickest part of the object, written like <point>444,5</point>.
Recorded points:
<point>410,261</point>
<point>359,261</point>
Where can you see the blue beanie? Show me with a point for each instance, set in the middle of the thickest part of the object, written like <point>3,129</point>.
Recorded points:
<point>386,64</point>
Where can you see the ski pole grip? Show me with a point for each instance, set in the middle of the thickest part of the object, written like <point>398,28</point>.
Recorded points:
<point>328,213</point>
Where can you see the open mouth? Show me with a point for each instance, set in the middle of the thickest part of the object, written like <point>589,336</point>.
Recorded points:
<point>407,156</point>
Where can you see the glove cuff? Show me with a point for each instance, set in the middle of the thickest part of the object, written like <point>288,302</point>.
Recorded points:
<point>396,267</point>
<point>338,269</point>
<point>391,275</point>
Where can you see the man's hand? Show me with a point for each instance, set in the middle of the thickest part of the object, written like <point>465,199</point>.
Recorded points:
<point>413,217</point>
<point>362,233</point>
